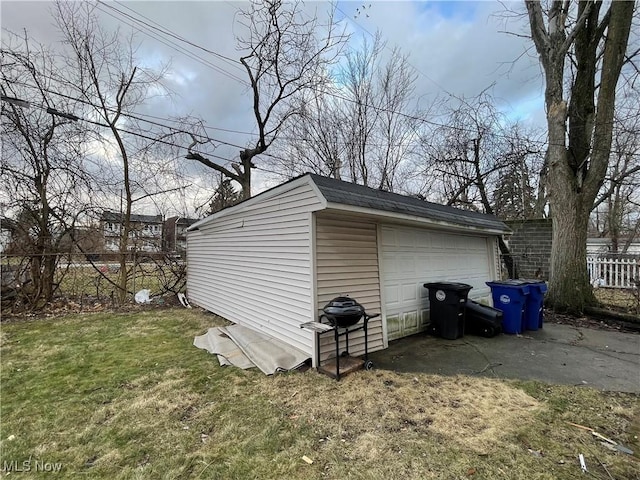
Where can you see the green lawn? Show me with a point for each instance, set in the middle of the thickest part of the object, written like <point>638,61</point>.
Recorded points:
<point>127,396</point>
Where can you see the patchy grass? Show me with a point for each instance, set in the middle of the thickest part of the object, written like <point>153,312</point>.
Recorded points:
<point>121,396</point>
<point>626,300</point>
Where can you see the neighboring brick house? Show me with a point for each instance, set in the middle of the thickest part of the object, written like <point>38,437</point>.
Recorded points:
<point>530,247</point>
<point>174,234</point>
<point>145,234</point>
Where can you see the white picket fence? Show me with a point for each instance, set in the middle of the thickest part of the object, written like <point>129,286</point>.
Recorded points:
<point>613,271</point>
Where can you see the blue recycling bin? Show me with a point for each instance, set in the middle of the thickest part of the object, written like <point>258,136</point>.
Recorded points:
<point>533,315</point>
<point>510,296</point>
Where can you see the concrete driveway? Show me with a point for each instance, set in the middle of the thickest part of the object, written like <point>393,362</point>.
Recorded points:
<point>560,354</point>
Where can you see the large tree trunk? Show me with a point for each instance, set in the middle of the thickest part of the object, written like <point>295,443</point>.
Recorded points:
<point>577,169</point>
<point>569,286</point>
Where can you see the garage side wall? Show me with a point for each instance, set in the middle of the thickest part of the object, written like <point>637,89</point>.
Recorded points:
<point>254,266</point>
<point>347,264</point>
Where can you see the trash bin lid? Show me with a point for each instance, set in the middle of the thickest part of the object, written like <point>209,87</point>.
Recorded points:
<point>454,286</point>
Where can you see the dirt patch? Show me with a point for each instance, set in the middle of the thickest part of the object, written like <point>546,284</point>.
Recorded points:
<point>588,321</point>
<point>67,306</point>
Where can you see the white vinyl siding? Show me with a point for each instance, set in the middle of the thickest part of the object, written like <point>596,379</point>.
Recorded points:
<point>347,264</point>
<point>253,266</point>
<point>414,256</point>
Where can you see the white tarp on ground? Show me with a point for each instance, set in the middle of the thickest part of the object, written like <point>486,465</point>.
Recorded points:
<point>267,353</point>
<point>218,343</point>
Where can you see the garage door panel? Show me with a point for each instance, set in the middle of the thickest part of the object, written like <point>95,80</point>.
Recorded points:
<point>412,257</point>
<point>393,326</point>
<point>409,292</point>
<point>389,238</point>
<point>410,323</point>
<point>392,296</point>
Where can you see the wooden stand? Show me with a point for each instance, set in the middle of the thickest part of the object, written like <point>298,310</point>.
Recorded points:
<point>346,364</point>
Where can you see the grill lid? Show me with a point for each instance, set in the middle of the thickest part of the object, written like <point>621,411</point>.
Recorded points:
<point>340,306</point>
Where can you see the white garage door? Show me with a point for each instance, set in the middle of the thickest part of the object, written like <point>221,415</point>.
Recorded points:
<point>412,257</point>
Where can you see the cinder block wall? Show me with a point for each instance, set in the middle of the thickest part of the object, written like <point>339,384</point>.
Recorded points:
<point>530,247</point>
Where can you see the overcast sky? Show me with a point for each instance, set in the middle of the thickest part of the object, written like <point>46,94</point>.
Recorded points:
<point>457,47</point>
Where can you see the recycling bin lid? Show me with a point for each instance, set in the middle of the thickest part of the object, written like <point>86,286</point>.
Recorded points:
<point>537,285</point>
<point>454,286</point>
<point>513,285</point>
<point>508,283</point>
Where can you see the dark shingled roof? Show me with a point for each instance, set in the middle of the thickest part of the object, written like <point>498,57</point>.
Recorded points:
<point>338,191</point>
<point>108,216</point>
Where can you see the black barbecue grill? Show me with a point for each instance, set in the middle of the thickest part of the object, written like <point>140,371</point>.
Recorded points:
<point>342,315</point>
<point>343,312</point>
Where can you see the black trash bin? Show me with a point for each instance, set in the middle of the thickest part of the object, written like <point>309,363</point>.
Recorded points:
<point>447,301</point>
<point>482,320</point>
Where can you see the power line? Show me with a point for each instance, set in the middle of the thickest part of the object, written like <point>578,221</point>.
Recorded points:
<point>53,111</point>
<point>171,33</point>
<point>140,117</point>
<point>135,116</point>
<point>146,30</point>
<point>166,31</point>
<point>223,142</point>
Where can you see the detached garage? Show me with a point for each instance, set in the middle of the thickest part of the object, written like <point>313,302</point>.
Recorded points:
<point>272,262</point>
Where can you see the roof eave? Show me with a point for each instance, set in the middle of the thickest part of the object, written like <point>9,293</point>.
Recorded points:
<point>416,219</point>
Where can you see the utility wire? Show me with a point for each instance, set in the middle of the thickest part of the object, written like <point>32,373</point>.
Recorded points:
<point>166,31</point>
<point>174,46</point>
<point>135,116</point>
<point>53,111</point>
<point>234,62</point>
<point>223,142</point>
<point>72,117</point>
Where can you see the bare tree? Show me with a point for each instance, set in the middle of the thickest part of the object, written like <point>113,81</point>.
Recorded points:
<point>364,128</point>
<point>580,110</point>
<point>480,161</point>
<point>43,173</point>
<point>380,113</point>
<point>619,195</point>
<point>472,157</point>
<point>286,55</point>
<point>314,143</point>
<point>103,69</point>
